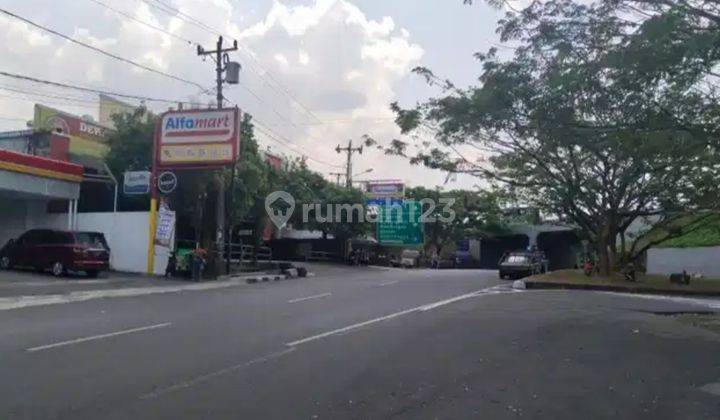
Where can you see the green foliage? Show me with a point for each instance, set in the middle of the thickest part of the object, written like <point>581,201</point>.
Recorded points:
<point>476,214</point>
<point>596,118</point>
<point>131,142</point>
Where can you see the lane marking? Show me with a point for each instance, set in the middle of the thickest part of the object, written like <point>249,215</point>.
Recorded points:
<point>208,376</point>
<point>426,307</point>
<point>322,295</point>
<point>388,283</point>
<point>97,337</point>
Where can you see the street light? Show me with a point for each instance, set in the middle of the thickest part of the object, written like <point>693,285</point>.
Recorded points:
<point>363,172</point>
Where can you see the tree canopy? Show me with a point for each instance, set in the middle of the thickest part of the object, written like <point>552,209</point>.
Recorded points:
<point>599,116</point>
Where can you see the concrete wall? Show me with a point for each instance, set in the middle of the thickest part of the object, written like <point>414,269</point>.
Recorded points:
<point>125,232</point>
<point>674,260</point>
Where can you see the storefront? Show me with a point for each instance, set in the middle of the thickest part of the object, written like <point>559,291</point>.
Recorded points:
<point>30,186</point>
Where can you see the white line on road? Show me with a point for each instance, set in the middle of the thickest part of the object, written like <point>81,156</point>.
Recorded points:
<point>309,297</point>
<point>98,337</point>
<point>206,377</point>
<point>388,283</point>
<point>426,307</point>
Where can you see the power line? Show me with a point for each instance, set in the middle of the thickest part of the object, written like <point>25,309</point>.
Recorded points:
<point>87,89</point>
<point>172,11</point>
<point>101,51</point>
<point>149,25</point>
<point>187,17</point>
<point>288,143</point>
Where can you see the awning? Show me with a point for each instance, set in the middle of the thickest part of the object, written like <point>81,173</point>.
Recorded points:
<point>26,177</point>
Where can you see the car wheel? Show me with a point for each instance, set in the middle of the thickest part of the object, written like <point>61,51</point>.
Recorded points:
<point>5,263</point>
<point>58,269</point>
<point>92,273</point>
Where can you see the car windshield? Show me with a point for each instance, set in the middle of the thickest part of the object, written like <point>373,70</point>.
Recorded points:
<point>517,259</point>
<point>93,239</point>
<point>410,254</point>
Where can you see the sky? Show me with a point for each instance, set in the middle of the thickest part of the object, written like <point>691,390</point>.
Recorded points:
<point>315,73</point>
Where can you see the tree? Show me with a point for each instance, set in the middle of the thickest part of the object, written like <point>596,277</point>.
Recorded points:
<point>574,124</point>
<point>475,214</point>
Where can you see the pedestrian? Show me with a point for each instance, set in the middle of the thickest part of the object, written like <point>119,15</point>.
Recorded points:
<point>435,259</point>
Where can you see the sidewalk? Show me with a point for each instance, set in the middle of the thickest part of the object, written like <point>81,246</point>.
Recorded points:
<point>646,284</point>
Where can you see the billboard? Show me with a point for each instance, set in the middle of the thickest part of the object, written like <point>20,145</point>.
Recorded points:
<point>375,190</point>
<point>87,138</point>
<point>202,138</point>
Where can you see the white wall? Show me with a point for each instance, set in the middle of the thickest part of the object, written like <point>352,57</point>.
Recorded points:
<point>126,234</point>
<point>693,260</point>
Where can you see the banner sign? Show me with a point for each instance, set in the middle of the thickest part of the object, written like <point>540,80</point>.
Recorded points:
<point>385,190</point>
<point>197,138</point>
<point>165,226</point>
<point>87,138</point>
<point>136,182</point>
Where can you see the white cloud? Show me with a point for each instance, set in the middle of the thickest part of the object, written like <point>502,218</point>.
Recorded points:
<point>328,55</point>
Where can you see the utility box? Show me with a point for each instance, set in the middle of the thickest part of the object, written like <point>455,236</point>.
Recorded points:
<point>232,72</point>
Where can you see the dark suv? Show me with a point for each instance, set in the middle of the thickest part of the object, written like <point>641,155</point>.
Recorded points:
<point>59,251</point>
<point>517,264</point>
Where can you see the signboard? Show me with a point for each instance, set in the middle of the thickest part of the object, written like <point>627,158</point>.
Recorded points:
<point>383,201</point>
<point>136,182</point>
<point>87,138</point>
<point>165,226</point>
<point>385,189</point>
<point>200,138</point>
<point>400,224</point>
<point>167,182</point>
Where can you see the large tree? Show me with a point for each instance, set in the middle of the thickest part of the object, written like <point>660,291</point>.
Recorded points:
<point>576,123</point>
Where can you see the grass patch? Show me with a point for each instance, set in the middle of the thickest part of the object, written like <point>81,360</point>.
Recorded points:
<point>644,281</point>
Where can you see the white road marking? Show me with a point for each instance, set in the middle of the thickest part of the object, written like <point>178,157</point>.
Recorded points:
<point>206,377</point>
<point>426,307</point>
<point>322,295</point>
<point>388,283</point>
<point>98,337</point>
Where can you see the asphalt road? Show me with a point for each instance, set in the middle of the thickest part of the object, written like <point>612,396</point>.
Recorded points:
<point>361,344</point>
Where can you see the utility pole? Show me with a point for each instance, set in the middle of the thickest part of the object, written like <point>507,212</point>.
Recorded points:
<point>337,176</point>
<point>348,168</point>
<point>223,63</point>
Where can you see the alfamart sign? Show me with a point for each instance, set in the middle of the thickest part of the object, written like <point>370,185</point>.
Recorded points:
<point>198,138</point>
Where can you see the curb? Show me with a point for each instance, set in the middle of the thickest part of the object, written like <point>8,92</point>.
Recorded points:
<point>269,277</point>
<point>534,284</point>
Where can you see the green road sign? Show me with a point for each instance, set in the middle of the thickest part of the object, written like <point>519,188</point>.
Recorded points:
<point>400,224</point>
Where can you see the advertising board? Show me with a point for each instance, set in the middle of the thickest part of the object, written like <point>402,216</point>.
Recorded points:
<point>198,138</point>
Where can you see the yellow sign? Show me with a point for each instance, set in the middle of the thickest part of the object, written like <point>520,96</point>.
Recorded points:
<point>195,153</point>
<point>87,138</point>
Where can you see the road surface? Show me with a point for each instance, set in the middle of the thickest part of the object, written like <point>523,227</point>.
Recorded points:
<point>361,343</point>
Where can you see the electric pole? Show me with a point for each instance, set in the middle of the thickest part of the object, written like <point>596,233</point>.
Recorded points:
<point>221,62</point>
<point>348,168</point>
<point>337,176</point>
<point>223,204</point>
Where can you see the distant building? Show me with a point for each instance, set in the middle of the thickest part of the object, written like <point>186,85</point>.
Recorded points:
<point>110,106</point>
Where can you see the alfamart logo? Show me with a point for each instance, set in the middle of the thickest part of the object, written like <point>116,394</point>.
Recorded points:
<point>197,123</point>
<point>280,207</point>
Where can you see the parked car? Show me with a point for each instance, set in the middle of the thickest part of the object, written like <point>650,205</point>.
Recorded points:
<point>409,258</point>
<point>58,251</point>
<point>517,264</point>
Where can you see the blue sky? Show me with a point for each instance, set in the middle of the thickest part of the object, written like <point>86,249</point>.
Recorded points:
<point>343,60</point>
